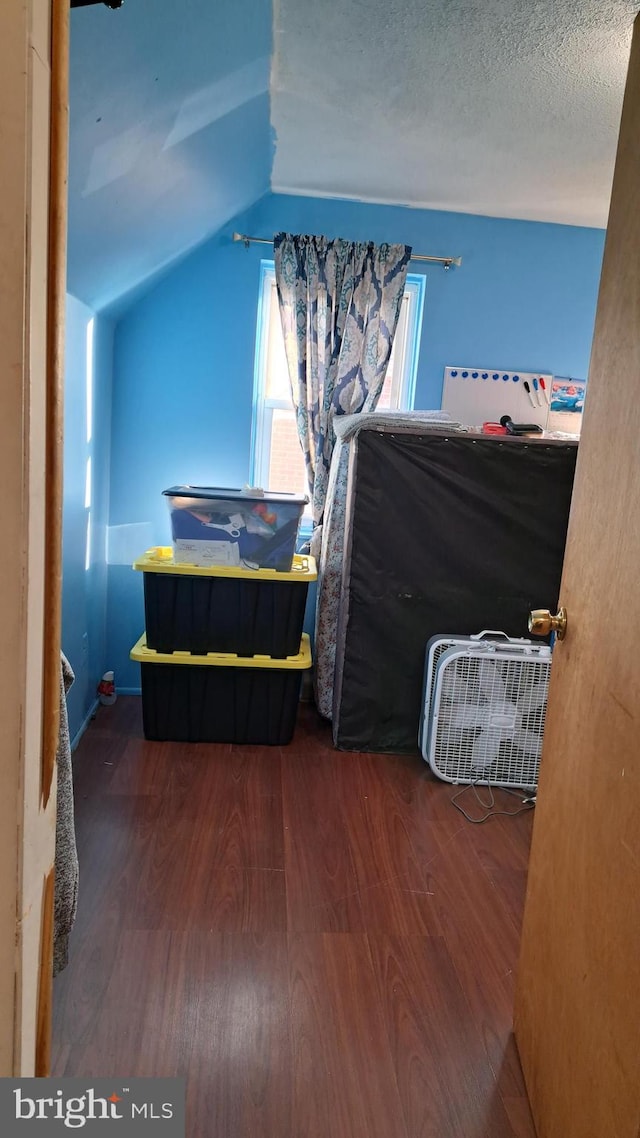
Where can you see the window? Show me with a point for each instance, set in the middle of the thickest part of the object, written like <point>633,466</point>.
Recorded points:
<point>276,455</point>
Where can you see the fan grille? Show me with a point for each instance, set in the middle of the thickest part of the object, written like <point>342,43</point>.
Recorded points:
<point>488,719</point>
<point>435,654</point>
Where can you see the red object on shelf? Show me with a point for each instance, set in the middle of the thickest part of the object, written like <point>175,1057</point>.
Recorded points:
<point>493,429</point>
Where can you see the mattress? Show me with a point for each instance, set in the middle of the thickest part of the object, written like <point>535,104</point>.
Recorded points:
<point>331,553</point>
<point>444,533</point>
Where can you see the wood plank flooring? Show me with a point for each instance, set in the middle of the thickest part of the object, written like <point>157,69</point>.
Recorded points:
<point>317,940</point>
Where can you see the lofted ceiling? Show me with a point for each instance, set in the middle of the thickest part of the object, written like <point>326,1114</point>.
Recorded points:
<point>502,107</point>
<point>169,133</point>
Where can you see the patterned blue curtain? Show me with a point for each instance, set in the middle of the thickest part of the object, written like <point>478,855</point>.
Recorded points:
<point>339,306</point>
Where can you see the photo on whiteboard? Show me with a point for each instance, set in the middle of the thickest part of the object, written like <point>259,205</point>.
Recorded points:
<point>567,395</point>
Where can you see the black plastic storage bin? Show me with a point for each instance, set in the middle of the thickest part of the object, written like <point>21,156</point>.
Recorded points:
<point>220,698</point>
<point>248,612</point>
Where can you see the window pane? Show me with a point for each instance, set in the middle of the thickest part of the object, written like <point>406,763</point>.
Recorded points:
<point>286,463</point>
<point>384,401</point>
<point>277,385</point>
<point>391,394</point>
<point>278,463</point>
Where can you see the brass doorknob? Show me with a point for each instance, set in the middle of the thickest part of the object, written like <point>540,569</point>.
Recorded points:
<point>541,623</point>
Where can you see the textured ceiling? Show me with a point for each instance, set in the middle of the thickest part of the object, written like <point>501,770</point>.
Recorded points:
<point>169,133</point>
<point>503,107</point>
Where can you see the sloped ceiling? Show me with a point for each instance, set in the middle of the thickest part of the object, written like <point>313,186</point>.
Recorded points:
<point>503,107</point>
<point>169,133</point>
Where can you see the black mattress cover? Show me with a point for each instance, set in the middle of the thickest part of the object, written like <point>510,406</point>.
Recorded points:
<point>446,535</point>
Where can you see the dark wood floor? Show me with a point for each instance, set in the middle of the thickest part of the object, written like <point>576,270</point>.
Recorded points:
<point>318,941</point>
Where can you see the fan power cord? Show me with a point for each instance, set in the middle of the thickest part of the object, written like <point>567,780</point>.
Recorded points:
<point>528,803</point>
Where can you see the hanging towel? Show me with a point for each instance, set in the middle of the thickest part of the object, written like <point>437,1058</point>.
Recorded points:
<point>66,858</point>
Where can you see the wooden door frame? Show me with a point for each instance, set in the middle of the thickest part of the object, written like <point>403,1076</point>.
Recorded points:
<point>34,123</point>
<point>52,632</point>
<point>56,292</point>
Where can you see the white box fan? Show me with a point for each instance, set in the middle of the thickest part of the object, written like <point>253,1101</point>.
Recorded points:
<point>484,710</point>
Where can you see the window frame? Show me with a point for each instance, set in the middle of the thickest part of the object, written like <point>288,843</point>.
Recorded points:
<point>263,407</point>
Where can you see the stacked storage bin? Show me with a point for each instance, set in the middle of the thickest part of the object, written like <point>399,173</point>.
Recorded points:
<point>223,653</point>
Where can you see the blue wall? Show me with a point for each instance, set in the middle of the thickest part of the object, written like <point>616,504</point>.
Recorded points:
<point>169,133</point>
<point>84,591</point>
<point>524,298</point>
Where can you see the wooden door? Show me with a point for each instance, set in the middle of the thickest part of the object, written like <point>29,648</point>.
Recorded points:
<point>577,1017</point>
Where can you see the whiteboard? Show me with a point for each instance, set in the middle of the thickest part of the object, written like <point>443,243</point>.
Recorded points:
<point>474,396</point>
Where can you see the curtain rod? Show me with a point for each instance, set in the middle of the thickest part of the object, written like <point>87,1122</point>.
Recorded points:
<point>446,262</point>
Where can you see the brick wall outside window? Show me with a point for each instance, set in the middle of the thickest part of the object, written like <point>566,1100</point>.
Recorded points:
<point>286,463</point>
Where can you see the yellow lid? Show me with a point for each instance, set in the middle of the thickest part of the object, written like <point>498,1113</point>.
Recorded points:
<point>160,560</point>
<point>145,655</point>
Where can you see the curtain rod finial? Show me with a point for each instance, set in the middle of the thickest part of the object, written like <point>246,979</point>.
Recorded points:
<point>241,237</point>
